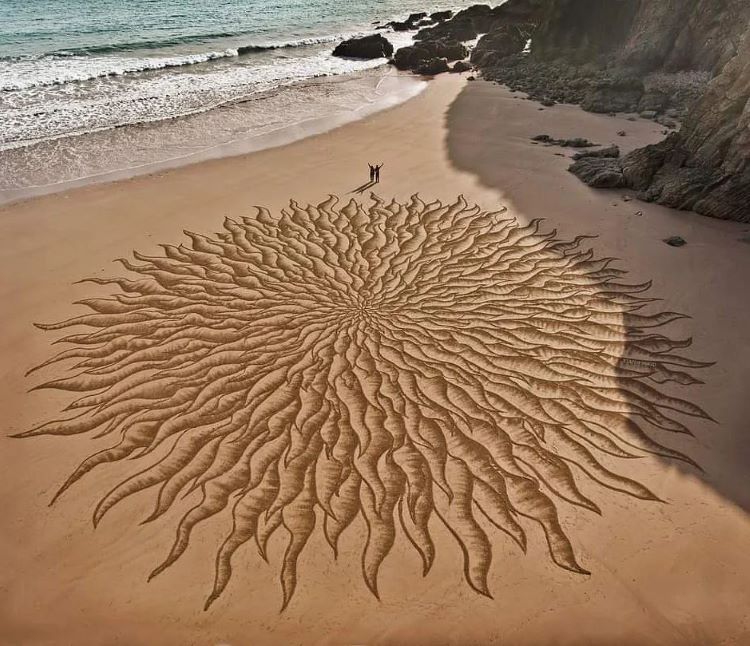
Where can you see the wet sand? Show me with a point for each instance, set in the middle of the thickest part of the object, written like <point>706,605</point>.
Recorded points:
<point>670,572</point>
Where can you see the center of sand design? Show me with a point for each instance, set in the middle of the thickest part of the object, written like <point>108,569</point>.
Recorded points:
<point>412,364</point>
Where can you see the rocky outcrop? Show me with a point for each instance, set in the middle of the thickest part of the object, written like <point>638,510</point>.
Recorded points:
<point>612,151</point>
<point>367,47</point>
<point>599,172</point>
<point>506,31</point>
<point>656,58</point>
<point>706,166</point>
<point>483,19</point>
<point>500,43</point>
<point>616,93</point>
<point>625,55</point>
<point>412,22</point>
<point>415,56</point>
<point>440,16</point>
<point>433,66</point>
<point>653,57</point>
<point>675,35</point>
<point>583,31</point>
<point>460,66</point>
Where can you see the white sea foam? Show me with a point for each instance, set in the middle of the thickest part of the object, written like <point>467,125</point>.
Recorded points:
<point>26,74</point>
<point>75,110</point>
<point>62,67</point>
<point>94,86</point>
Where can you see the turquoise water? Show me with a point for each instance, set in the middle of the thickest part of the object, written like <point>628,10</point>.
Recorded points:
<point>73,66</point>
<point>37,27</point>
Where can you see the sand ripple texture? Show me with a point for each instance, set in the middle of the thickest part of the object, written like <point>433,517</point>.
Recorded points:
<point>416,365</point>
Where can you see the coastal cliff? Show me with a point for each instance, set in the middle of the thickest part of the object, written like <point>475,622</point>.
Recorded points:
<point>706,166</point>
<point>665,59</point>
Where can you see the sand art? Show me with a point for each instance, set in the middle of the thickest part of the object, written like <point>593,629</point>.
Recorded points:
<point>413,364</point>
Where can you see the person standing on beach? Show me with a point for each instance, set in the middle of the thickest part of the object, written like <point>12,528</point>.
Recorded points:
<point>377,173</point>
<point>372,172</point>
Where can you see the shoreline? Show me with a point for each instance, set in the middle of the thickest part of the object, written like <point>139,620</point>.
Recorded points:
<point>399,87</point>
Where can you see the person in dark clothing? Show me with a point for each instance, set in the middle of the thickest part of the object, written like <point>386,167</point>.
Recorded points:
<point>377,173</point>
<point>372,172</point>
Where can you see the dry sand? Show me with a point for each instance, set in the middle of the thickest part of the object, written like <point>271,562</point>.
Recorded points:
<point>661,573</point>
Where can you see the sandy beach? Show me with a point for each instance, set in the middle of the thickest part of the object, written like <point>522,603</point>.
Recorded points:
<point>672,571</point>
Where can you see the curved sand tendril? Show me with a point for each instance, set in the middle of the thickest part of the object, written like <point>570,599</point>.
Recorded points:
<point>410,364</point>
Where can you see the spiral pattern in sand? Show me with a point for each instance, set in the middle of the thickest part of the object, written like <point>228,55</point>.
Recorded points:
<point>405,363</point>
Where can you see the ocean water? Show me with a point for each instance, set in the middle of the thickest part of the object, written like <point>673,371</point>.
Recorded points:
<point>73,68</point>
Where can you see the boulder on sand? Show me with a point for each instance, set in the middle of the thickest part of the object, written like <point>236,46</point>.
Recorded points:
<point>613,152</point>
<point>461,66</point>
<point>433,66</point>
<point>599,172</point>
<point>367,47</point>
<point>413,56</point>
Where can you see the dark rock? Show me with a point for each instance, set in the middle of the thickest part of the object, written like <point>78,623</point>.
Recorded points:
<point>440,16</point>
<point>412,57</point>
<point>655,101</point>
<point>599,172</point>
<point>675,241</point>
<point>461,66</point>
<point>456,30</point>
<point>471,78</point>
<point>614,95</point>
<point>580,31</point>
<point>411,23</point>
<point>689,34</point>
<point>367,47</point>
<point>640,166</point>
<point>401,26</point>
<point>465,25</point>
<point>548,103</point>
<point>706,166</point>
<point>666,122</point>
<point>576,142</point>
<point>432,67</point>
<point>500,43</point>
<point>610,151</point>
<point>622,133</point>
<point>627,56</point>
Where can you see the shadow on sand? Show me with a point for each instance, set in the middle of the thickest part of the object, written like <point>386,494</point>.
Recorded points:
<point>721,450</point>
<point>361,189</point>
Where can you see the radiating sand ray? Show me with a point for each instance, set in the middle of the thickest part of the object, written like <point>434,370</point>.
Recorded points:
<point>401,363</point>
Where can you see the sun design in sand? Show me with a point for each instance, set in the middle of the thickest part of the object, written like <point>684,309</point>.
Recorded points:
<point>407,363</point>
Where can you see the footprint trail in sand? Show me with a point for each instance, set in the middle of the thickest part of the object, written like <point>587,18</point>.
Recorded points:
<point>405,363</point>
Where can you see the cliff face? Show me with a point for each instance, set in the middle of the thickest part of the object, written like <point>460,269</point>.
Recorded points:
<point>646,35</point>
<point>706,166</point>
<point>675,35</point>
<point>581,31</point>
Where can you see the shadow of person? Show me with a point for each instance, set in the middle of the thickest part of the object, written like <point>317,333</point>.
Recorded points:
<point>363,188</point>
